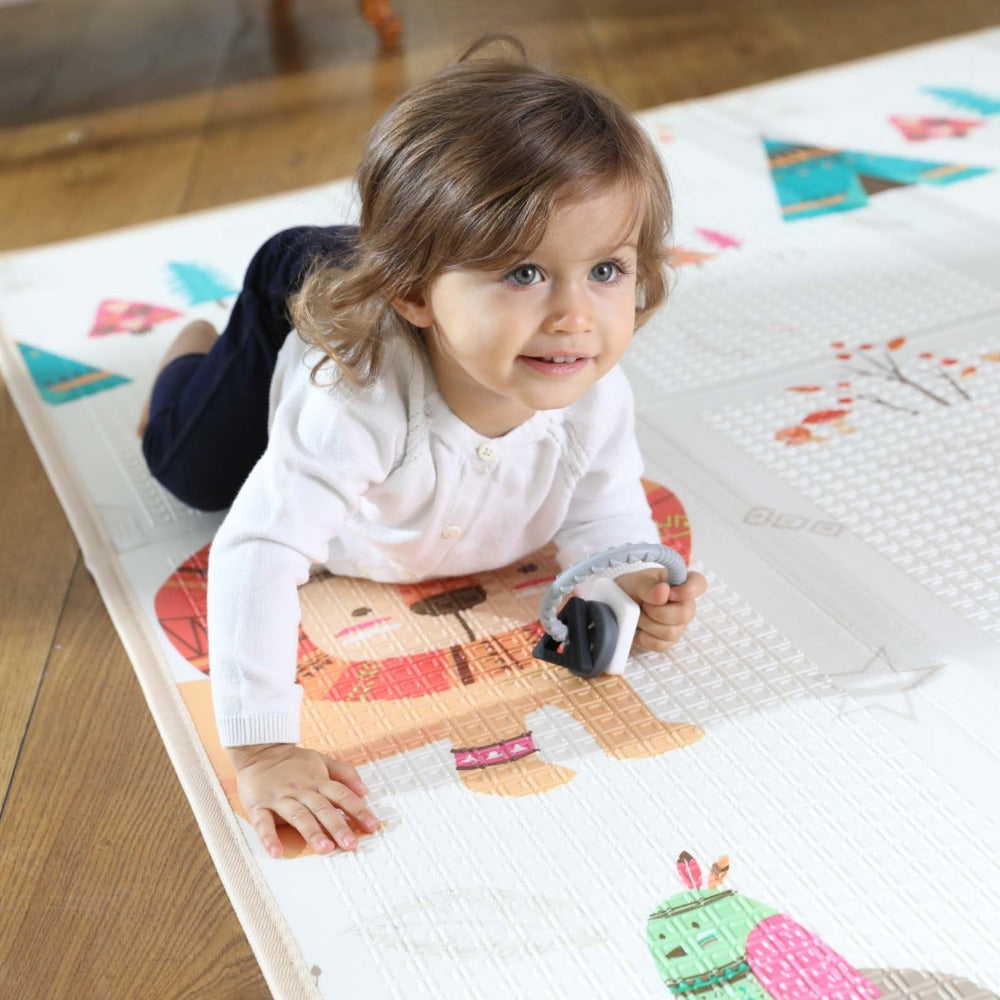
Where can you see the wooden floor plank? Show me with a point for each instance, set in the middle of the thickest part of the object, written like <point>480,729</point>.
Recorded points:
<point>114,113</point>
<point>75,176</point>
<point>39,552</point>
<point>108,890</point>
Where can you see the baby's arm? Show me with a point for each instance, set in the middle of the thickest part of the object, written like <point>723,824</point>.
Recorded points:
<point>609,508</point>
<point>253,635</point>
<point>294,502</point>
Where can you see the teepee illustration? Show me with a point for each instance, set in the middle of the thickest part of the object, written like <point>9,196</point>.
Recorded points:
<point>121,316</point>
<point>917,128</point>
<point>814,180</point>
<point>60,379</point>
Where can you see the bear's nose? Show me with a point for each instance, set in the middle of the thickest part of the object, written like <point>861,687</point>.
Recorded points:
<point>450,602</point>
<point>678,952</point>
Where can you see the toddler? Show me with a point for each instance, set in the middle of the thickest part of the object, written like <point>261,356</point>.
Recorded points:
<point>451,402</point>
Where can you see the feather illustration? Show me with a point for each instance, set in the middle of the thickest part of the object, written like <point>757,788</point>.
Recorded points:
<point>720,869</point>
<point>689,869</point>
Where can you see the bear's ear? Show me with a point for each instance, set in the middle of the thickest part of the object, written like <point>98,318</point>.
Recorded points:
<point>720,869</point>
<point>689,870</point>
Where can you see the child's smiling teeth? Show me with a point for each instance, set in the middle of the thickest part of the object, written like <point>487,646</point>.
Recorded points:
<point>556,364</point>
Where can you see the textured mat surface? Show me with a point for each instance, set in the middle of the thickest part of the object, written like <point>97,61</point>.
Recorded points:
<point>796,802</point>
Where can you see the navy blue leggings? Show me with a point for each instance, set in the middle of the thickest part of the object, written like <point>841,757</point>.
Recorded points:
<point>208,412</point>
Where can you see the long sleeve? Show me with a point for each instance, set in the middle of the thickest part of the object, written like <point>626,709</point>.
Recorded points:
<point>608,506</point>
<point>323,453</point>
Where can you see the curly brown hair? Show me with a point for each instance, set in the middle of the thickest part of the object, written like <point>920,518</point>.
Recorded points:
<point>464,171</point>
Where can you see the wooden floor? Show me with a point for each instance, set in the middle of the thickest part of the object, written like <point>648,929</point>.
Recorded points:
<point>114,112</point>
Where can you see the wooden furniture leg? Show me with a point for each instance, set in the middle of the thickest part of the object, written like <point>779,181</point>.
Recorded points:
<point>380,15</point>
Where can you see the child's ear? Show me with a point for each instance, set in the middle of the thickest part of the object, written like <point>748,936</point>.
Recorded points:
<point>416,308</point>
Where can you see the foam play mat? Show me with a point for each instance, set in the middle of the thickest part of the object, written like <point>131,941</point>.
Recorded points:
<point>800,800</point>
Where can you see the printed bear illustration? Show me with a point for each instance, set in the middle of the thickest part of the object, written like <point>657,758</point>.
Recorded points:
<point>720,945</point>
<point>388,668</point>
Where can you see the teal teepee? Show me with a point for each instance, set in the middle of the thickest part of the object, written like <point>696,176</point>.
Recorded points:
<point>60,379</point>
<point>812,180</point>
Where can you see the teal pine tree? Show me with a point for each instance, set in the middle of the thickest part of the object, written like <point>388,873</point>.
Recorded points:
<point>968,100</point>
<point>198,283</point>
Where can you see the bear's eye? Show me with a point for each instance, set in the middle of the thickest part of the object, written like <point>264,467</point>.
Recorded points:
<point>694,923</point>
<point>527,568</point>
<point>662,937</point>
<point>360,612</point>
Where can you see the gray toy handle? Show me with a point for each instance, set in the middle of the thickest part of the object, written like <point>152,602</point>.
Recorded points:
<point>635,552</point>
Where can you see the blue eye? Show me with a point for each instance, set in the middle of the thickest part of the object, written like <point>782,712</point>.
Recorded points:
<point>606,271</point>
<point>524,274</point>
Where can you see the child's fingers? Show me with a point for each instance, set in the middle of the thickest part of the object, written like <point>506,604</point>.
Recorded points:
<point>348,802</point>
<point>333,820</point>
<point>659,593</point>
<point>661,616</point>
<point>346,774</point>
<point>692,588</point>
<point>298,815</point>
<point>263,824</point>
<point>659,631</point>
<point>652,591</point>
<point>657,645</point>
<point>638,584</point>
<point>660,626</point>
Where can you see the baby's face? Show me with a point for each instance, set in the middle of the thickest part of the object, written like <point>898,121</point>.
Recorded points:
<point>505,344</point>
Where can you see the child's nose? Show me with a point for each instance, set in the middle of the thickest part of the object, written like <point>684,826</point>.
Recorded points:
<point>570,310</point>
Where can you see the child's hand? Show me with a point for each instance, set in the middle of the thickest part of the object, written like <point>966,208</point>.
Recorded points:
<point>313,793</point>
<point>666,610</point>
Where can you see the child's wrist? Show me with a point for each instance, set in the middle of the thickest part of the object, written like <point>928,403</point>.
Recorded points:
<point>241,756</point>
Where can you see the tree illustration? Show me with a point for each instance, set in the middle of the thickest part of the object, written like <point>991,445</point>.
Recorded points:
<point>883,375</point>
<point>198,283</point>
<point>969,100</point>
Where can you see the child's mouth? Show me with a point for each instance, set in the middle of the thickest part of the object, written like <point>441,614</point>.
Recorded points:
<point>555,364</point>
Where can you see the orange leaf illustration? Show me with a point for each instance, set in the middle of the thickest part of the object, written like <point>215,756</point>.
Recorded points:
<point>992,356</point>
<point>896,343</point>
<point>683,256</point>
<point>971,370</point>
<point>825,416</point>
<point>803,388</point>
<point>793,435</point>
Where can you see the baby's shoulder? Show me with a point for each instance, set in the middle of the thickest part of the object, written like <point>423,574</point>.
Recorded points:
<point>310,394</point>
<point>303,371</point>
